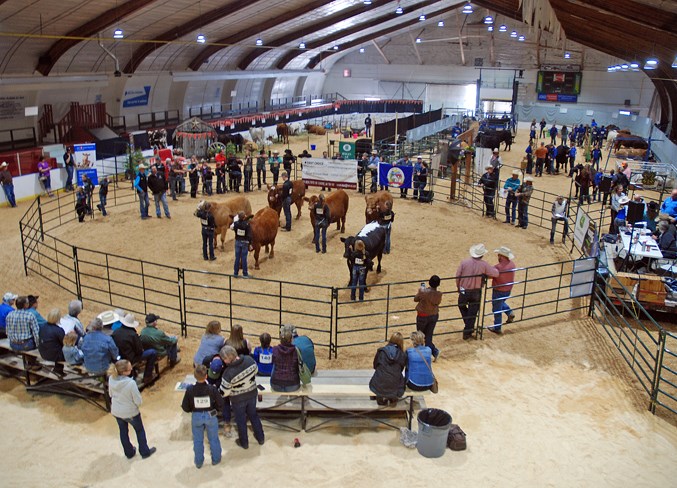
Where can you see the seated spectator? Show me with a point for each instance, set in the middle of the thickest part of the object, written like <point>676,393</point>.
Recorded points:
<point>667,239</point>
<point>51,340</point>
<point>130,346</point>
<point>23,331</point>
<point>33,308</point>
<point>387,383</point>
<point>211,343</point>
<point>306,348</point>
<point>237,341</point>
<point>108,318</point>
<point>154,338</point>
<point>71,322</point>
<point>99,349</point>
<point>419,373</point>
<point>263,355</point>
<point>71,353</point>
<point>6,307</point>
<point>285,374</point>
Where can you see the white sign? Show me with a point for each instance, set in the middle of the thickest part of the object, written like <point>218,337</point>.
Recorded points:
<point>84,154</point>
<point>581,229</point>
<point>582,278</point>
<point>333,173</point>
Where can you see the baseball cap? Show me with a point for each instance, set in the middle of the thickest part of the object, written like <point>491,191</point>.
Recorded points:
<point>215,368</point>
<point>9,296</point>
<point>151,317</point>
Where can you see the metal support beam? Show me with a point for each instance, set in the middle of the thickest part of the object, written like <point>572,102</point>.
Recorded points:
<point>380,51</point>
<point>418,55</point>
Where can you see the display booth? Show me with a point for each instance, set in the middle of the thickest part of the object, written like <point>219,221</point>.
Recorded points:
<point>194,137</point>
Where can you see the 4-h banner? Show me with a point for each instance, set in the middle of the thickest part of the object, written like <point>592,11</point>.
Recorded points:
<point>332,173</point>
<point>395,176</point>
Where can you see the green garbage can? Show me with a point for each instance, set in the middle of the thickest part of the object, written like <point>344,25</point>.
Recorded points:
<point>433,430</point>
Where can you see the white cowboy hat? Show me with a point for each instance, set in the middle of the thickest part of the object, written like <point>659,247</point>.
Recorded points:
<point>528,178</point>
<point>129,321</point>
<point>623,200</point>
<point>495,150</point>
<point>374,151</point>
<point>275,151</point>
<point>488,167</point>
<point>478,250</point>
<point>4,163</point>
<point>505,251</point>
<point>108,317</point>
<point>516,172</point>
<point>142,166</point>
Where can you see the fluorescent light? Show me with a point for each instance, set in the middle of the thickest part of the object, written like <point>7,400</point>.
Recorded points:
<point>118,34</point>
<point>259,42</point>
<point>634,65</point>
<point>503,28</point>
<point>467,9</point>
<point>651,63</point>
<point>302,45</point>
<point>513,34</point>
<point>418,40</point>
<point>610,69</point>
<point>361,50</point>
<point>624,66</point>
<point>674,63</point>
<point>624,112</point>
<point>421,17</point>
<point>372,99</point>
<point>201,39</point>
<point>367,2</point>
<point>490,28</point>
<point>336,48</point>
<point>399,10</point>
<point>521,38</point>
<point>440,23</point>
<point>567,55</point>
<point>488,19</point>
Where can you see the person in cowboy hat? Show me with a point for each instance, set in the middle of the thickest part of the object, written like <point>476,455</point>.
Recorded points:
<point>496,162</point>
<point>373,168</point>
<point>274,162</point>
<point>129,343</point>
<point>489,181</point>
<point>7,185</point>
<point>511,185</point>
<point>141,186</point>
<point>469,283</point>
<point>619,221</point>
<point>501,286</point>
<point>523,195</point>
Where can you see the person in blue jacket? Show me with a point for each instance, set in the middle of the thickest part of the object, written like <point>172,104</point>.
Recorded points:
<point>307,349</point>
<point>419,372</point>
<point>141,187</point>
<point>263,355</point>
<point>511,185</point>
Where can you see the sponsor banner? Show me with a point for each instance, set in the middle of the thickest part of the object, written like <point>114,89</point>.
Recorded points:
<point>332,173</point>
<point>347,150</point>
<point>91,174</point>
<point>581,228</point>
<point>84,155</point>
<point>136,97</point>
<point>395,176</point>
<point>557,97</point>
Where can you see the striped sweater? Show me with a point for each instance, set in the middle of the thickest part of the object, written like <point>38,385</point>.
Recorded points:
<point>239,380</point>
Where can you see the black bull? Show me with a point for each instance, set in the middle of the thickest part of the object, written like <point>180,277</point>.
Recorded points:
<point>493,138</point>
<point>374,241</point>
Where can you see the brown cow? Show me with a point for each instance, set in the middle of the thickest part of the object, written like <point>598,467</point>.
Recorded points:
<point>316,129</point>
<point>275,196</point>
<point>282,133</point>
<point>338,209</point>
<point>375,204</point>
<point>264,231</point>
<point>222,212</point>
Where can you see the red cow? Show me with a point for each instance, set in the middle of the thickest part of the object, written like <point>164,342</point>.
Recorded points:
<point>275,196</point>
<point>375,203</point>
<point>264,231</point>
<point>282,133</point>
<point>338,209</point>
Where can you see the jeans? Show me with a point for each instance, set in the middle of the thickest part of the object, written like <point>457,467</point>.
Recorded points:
<point>359,279</point>
<point>102,203</point>
<point>539,166</point>
<point>386,247</point>
<point>489,203</point>
<point>9,193</point>
<point>29,345</point>
<point>172,187</point>
<point>284,388</point>
<point>173,353</point>
<point>243,411</point>
<point>137,424</point>
<point>321,229</point>
<point>69,177</point>
<point>276,174</point>
<point>221,184</point>
<point>248,180</point>
<point>201,422</point>
<point>523,214</point>
<point>182,185</point>
<point>286,205</point>
<point>510,203</point>
<point>150,356</point>
<point>530,164</point>
<point>427,326</point>
<point>498,306</point>
<point>241,251</point>
<point>207,243</point>
<point>208,187</point>
<point>259,173</point>
<point>234,181</point>
<point>193,188</point>
<point>161,198</point>
<point>421,187</point>
<point>469,305</point>
<point>144,203</point>
<point>554,227</point>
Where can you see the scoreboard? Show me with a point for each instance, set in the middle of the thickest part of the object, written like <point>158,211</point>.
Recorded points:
<point>560,86</point>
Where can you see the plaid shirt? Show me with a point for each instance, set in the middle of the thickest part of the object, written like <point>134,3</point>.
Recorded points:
<point>21,326</point>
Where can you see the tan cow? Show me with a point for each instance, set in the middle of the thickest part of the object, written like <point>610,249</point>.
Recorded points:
<point>375,204</point>
<point>338,209</point>
<point>264,231</point>
<point>223,211</point>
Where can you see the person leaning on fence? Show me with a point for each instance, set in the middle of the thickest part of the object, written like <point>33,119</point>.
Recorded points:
<point>203,402</point>
<point>261,168</point>
<point>559,214</point>
<point>387,382</point>
<point>69,162</point>
<point>7,184</point>
<point>419,373</point>
<point>428,301</point>
<point>274,162</point>
<point>163,344</point>
<point>208,223</point>
<point>99,349</point>
<point>285,376</point>
<point>501,286</point>
<point>489,182</point>
<point>469,276</point>
<point>125,401</point>
<point>511,185</point>
<point>523,195</point>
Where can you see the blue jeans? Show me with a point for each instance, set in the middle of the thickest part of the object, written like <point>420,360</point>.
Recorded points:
<point>29,345</point>
<point>286,205</point>
<point>201,422</point>
<point>498,306</point>
<point>283,388</point>
<point>102,203</point>
<point>241,251</point>
<point>523,214</point>
<point>69,177</point>
<point>421,186</point>
<point>510,202</point>
<point>386,247</point>
<point>243,411</point>
<point>137,424</point>
<point>161,198</point>
<point>359,279</point>
<point>9,193</point>
<point>323,230</point>
<point>150,356</point>
<point>207,243</point>
<point>144,203</point>
<point>427,326</point>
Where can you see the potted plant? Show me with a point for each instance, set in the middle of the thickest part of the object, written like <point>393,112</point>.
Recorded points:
<point>134,158</point>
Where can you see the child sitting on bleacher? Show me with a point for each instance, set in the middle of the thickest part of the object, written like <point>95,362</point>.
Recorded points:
<point>263,355</point>
<point>71,352</point>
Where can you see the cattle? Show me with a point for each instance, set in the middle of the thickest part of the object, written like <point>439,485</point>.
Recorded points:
<point>282,133</point>
<point>627,140</point>
<point>374,237</point>
<point>316,129</point>
<point>338,209</point>
<point>264,231</point>
<point>275,196</point>
<point>493,138</point>
<point>375,204</point>
<point>295,128</point>
<point>258,135</point>
<point>236,139</point>
<point>223,212</point>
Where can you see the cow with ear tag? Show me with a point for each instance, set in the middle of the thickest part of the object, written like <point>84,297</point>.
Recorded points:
<point>275,196</point>
<point>374,237</point>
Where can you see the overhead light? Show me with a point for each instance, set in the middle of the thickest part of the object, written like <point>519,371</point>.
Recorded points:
<point>624,66</point>
<point>336,47</point>
<point>651,63</point>
<point>634,65</point>
<point>302,45</point>
<point>513,34</point>
<point>367,2</point>
<point>230,75</point>
<point>490,28</point>
<point>399,10</point>
<point>361,50</point>
<point>503,28</point>
<point>259,42</point>
<point>488,19</point>
<point>440,23</point>
<point>467,9</point>
<point>674,63</point>
<point>521,38</point>
<point>610,69</point>
<point>567,55</point>
<point>624,112</point>
<point>617,67</point>
<point>201,39</point>
<point>418,40</point>
<point>118,34</point>
<point>421,17</point>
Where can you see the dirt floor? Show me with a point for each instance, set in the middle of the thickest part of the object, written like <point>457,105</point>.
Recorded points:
<point>548,403</point>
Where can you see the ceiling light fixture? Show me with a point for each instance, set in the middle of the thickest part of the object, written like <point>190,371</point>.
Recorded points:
<point>674,63</point>
<point>490,28</point>
<point>336,48</point>
<point>201,39</point>
<point>418,40</point>
<point>488,19</point>
<point>624,66</point>
<point>367,2</point>
<point>651,63</point>
<point>118,34</point>
<point>361,50</point>
<point>521,38</point>
<point>567,55</point>
<point>421,17</point>
<point>503,28</point>
<point>440,23</point>
<point>513,34</point>
<point>467,9</point>
<point>302,45</point>
<point>259,42</point>
<point>399,10</point>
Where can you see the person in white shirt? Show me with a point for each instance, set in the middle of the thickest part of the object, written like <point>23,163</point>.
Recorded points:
<point>71,322</point>
<point>559,214</point>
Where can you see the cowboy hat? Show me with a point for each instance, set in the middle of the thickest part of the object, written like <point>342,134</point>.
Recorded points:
<point>478,250</point>
<point>374,151</point>
<point>505,251</point>
<point>275,151</point>
<point>108,317</point>
<point>528,179</point>
<point>516,172</point>
<point>4,163</point>
<point>495,150</point>
<point>142,166</point>
<point>129,321</point>
<point>623,200</point>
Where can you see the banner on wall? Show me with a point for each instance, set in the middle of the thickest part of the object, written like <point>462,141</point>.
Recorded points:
<point>12,107</point>
<point>84,154</point>
<point>332,173</point>
<point>395,176</point>
<point>557,97</point>
<point>136,97</point>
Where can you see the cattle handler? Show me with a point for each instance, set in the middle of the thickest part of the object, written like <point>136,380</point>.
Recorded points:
<point>208,227</point>
<point>243,239</point>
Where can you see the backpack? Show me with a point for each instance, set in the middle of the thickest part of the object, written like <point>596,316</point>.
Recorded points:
<point>456,438</point>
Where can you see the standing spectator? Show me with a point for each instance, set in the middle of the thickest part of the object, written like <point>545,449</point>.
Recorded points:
<point>103,195</point>
<point>23,331</point>
<point>669,205</point>
<point>322,221</point>
<point>88,187</point>
<point>131,348</point>
<point>373,168</point>
<point>418,166</point>
<point>51,340</point>
<point>208,227</point>
<point>69,162</point>
<point>173,177</point>
<point>71,352</point>
<point>561,158</point>
<point>263,355</point>
<point>287,190</point>
<point>532,134</point>
<point>367,126</point>
<point>615,207</point>
<point>572,158</point>
<point>125,401</point>
<point>386,217</point>
<point>585,181</point>
<point>621,216</point>
<point>511,185</point>
<point>285,375</point>
<point>469,277</point>
<point>542,124</point>
<point>274,162</point>
<point>243,238</point>
<point>553,135</point>
<point>71,321</point>
<point>387,383</point>
<point>540,154</point>
<point>81,208</point>
<point>99,349</point>
<point>43,171</point>
<point>193,178</point>
<point>211,343</point>
<point>33,308</point>
<point>422,182</point>
<point>6,307</point>
<point>157,185</point>
<point>239,384</point>
<point>288,160</point>
<point>179,178</point>
<point>596,181</point>
<point>203,401</point>
<point>220,176</point>
<point>530,159</point>
<point>261,168</point>
<point>428,301</point>
<point>7,185</point>
<point>606,194</point>
<point>362,166</point>
<point>234,173</point>
<point>489,182</point>
<point>496,162</point>
<point>154,338</point>
<point>559,214</point>
<point>501,287</point>
<point>523,195</point>
<point>141,186</point>
<point>306,348</point>
<point>564,133</point>
<point>419,373</point>
<point>596,157</point>
<point>400,162</point>
<point>208,177</point>
<point>248,172</point>
<point>360,258</point>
